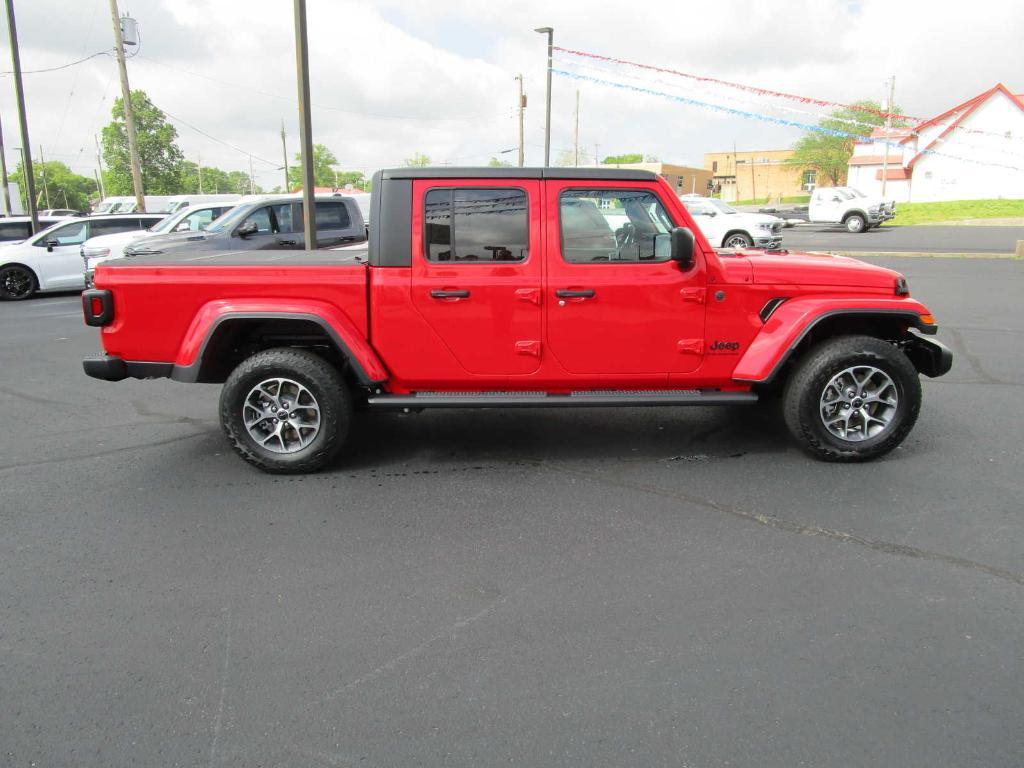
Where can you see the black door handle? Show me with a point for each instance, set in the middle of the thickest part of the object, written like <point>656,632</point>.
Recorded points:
<point>282,241</point>
<point>582,293</point>
<point>449,294</point>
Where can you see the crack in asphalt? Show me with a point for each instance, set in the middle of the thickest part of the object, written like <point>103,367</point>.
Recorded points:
<point>100,454</point>
<point>973,361</point>
<point>779,524</point>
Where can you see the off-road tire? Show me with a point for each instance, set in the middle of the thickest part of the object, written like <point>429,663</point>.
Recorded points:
<point>317,375</point>
<point>855,223</point>
<point>22,275</point>
<point>802,397</point>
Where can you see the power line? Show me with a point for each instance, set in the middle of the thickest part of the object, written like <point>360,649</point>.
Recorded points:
<point>62,66</point>
<point>219,141</point>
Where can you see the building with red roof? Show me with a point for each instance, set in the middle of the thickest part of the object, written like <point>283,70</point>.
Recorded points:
<point>973,151</point>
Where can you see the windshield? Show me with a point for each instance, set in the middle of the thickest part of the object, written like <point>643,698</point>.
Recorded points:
<point>722,207</point>
<point>855,192</point>
<point>164,225</point>
<point>231,218</point>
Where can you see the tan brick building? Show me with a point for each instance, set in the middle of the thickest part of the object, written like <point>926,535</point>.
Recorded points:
<point>683,178</point>
<point>757,175</point>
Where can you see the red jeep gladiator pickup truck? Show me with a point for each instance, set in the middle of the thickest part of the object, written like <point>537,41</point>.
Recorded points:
<point>520,287</point>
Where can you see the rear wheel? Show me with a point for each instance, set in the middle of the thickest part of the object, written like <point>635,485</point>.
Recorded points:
<point>855,223</point>
<point>286,411</point>
<point>852,398</point>
<point>17,282</point>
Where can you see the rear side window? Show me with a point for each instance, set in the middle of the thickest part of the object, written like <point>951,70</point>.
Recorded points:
<point>332,216</point>
<point>15,230</point>
<point>110,226</point>
<point>476,225</point>
<point>613,226</point>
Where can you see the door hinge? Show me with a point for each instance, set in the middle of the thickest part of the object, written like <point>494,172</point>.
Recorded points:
<point>692,294</point>
<point>690,346</point>
<point>531,348</point>
<point>531,295</point>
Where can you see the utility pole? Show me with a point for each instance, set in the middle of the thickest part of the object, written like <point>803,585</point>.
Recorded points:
<point>597,155</point>
<point>19,93</point>
<point>252,178</point>
<point>99,185</point>
<point>305,126</point>
<point>3,173</point>
<point>576,131</point>
<point>129,111</point>
<point>550,32</point>
<point>199,170</point>
<point>42,172</point>
<point>99,163</point>
<point>522,108</point>
<point>284,151</point>
<point>888,127</point>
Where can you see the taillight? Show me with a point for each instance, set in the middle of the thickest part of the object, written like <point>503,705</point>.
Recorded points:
<point>98,307</point>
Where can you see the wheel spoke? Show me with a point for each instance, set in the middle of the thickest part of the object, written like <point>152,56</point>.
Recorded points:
<point>858,403</point>
<point>291,407</point>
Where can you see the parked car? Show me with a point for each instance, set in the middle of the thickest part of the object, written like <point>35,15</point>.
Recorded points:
<point>511,288</point>
<point>274,223</point>
<point>192,219</point>
<point>178,202</point>
<point>60,212</point>
<point>111,204</point>
<point>51,260</point>
<point>726,227</point>
<point>16,229</point>
<point>850,207</point>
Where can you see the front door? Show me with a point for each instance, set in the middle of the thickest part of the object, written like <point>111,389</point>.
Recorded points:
<point>60,262</point>
<point>616,303</point>
<point>476,271</point>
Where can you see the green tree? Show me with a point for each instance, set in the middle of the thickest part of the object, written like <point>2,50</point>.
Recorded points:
<point>159,157</point>
<point>629,157</point>
<point>323,168</point>
<point>496,163</point>
<point>215,180</point>
<point>417,160</point>
<point>829,154</point>
<point>65,188</point>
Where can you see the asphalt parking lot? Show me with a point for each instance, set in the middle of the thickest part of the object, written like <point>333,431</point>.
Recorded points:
<point>895,239</point>
<point>604,588</point>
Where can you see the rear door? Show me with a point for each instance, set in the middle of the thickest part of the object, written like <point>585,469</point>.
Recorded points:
<point>616,304</point>
<point>476,271</point>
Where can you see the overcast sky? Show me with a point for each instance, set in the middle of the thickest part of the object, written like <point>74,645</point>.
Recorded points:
<point>395,77</point>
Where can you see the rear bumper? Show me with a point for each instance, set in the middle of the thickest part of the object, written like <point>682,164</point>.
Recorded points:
<point>109,368</point>
<point>930,357</point>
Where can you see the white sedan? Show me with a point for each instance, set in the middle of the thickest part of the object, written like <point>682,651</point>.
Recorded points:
<point>50,260</point>
<point>725,227</point>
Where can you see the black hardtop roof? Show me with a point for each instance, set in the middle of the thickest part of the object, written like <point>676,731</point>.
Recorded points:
<point>487,172</point>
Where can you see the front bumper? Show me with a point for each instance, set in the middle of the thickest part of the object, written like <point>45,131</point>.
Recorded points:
<point>769,243</point>
<point>110,368</point>
<point>929,356</point>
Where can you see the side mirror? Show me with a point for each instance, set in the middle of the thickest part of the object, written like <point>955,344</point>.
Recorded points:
<point>183,227</point>
<point>51,244</point>
<point>247,229</point>
<point>836,200</point>
<point>682,247</point>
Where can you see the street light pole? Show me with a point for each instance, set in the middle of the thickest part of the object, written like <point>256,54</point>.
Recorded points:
<point>888,129</point>
<point>550,32</point>
<point>522,108</point>
<point>19,93</point>
<point>305,126</point>
<point>129,110</point>
<point>3,175</point>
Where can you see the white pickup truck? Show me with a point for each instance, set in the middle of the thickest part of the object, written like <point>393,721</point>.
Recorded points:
<point>725,227</point>
<point>849,207</point>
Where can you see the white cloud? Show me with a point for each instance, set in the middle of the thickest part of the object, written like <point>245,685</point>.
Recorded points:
<point>421,63</point>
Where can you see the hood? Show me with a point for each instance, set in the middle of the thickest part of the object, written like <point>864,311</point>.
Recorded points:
<point>116,239</point>
<point>761,218</point>
<point>810,268</point>
<point>160,243</point>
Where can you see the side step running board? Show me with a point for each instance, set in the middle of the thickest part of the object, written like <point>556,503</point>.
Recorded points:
<point>592,399</point>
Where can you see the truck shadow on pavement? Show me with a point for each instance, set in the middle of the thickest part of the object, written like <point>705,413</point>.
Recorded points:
<point>622,435</point>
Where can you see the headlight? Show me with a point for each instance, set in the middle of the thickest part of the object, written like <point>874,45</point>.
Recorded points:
<point>95,253</point>
<point>766,225</point>
<point>873,209</point>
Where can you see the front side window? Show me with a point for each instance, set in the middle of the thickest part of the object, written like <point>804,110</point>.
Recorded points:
<point>70,234</point>
<point>261,218</point>
<point>476,225</point>
<point>283,219</point>
<point>613,226</point>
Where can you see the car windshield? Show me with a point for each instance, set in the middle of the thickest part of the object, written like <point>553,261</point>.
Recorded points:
<point>231,218</point>
<point>855,192</point>
<point>722,207</point>
<point>165,224</point>
<point>844,193</point>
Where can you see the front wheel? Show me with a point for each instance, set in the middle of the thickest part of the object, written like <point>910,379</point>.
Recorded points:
<point>856,223</point>
<point>852,398</point>
<point>286,411</point>
<point>738,240</point>
<point>17,283</point>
